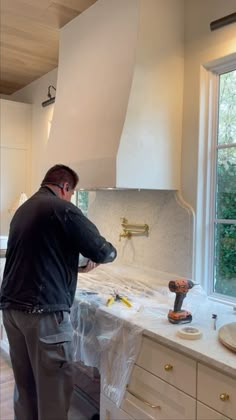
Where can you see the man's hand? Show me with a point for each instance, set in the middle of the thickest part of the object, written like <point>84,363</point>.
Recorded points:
<point>90,266</point>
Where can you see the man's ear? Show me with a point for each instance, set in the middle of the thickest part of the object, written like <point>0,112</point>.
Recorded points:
<point>66,187</point>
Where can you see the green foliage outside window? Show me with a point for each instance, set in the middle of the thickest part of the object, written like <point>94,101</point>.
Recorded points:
<point>82,201</point>
<point>225,233</point>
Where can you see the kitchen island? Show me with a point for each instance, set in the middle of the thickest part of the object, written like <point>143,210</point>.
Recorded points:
<point>147,371</point>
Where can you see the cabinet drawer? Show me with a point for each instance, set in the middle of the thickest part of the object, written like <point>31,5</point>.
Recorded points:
<point>206,413</point>
<point>175,368</point>
<point>212,386</point>
<point>149,397</point>
<point>109,411</point>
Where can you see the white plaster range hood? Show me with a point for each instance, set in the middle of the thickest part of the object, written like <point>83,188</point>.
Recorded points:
<point>118,110</point>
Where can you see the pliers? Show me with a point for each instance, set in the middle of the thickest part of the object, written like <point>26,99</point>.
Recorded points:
<point>117,298</point>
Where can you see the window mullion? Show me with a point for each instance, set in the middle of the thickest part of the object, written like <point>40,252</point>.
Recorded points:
<point>225,221</point>
<point>225,146</point>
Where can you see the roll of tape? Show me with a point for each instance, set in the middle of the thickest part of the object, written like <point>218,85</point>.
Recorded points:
<point>189,333</point>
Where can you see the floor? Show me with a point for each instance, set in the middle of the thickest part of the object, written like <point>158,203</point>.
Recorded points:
<point>6,392</point>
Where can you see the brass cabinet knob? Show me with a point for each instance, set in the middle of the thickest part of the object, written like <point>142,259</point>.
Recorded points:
<point>168,367</point>
<point>224,397</point>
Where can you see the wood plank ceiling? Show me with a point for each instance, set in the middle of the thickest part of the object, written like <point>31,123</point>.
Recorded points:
<point>29,38</point>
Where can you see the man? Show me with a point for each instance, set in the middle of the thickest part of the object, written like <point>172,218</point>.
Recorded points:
<point>47,234</point>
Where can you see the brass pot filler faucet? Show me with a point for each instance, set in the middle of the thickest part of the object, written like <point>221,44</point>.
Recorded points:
<point>130,229</point>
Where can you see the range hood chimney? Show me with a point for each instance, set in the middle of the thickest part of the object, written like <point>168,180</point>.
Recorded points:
<point>118,110</point>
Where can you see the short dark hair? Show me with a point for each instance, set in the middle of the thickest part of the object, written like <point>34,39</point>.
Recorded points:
<point>58,174</point>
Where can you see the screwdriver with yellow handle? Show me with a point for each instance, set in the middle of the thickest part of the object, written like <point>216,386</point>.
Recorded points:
<point>117,298</point>
<point>110,300</point>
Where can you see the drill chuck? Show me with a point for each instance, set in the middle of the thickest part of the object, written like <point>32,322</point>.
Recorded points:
<point>180,286</point>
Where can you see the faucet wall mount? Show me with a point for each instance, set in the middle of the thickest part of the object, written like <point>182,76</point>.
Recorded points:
<point>133,229</point>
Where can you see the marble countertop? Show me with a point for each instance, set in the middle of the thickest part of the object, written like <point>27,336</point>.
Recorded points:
<point>151,299</point>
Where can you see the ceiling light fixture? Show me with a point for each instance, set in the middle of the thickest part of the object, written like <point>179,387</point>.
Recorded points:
<point>51,99</point>
<point>226,20</point>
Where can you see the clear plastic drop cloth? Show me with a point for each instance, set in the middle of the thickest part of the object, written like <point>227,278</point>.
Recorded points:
<point>106,342</point>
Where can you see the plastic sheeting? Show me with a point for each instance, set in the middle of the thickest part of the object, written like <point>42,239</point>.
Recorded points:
<point>105,342</point>
<point>102,336</point>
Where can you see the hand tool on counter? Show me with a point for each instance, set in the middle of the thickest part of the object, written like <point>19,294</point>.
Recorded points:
<point>118,298</point>
<point>181,288</point>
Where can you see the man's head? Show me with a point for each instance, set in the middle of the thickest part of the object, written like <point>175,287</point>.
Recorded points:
<point>62,179</point>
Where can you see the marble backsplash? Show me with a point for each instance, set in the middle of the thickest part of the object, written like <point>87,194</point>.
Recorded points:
<point>169,245</point>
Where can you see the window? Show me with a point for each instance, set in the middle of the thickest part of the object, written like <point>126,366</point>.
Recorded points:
<point>225,188</point>
<point>80,199</point>
<point>216,210</point>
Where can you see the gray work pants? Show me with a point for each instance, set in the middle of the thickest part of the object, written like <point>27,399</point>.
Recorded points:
<point>41,356</point>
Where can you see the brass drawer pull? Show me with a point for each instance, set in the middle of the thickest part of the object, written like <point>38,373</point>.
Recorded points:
<point>142,399</point>
<point>168,367</point>
<point>224,397</point>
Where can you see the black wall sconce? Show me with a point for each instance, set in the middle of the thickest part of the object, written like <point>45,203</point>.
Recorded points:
<point>51,99</point>
<point>226,20</point>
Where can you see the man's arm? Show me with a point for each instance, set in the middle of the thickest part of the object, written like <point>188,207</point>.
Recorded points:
<point>89,241</point>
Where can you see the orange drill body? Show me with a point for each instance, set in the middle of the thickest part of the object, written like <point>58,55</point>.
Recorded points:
<point>181,288</point>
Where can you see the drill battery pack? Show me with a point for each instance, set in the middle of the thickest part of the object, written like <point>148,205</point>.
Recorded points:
<point>179,317</point>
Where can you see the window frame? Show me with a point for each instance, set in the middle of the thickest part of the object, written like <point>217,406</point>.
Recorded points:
<point>207,152</point>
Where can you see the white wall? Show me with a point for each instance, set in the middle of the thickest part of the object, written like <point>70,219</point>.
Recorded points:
<point>35,93</point>
<point>15,157</point>
<point>201,46</point>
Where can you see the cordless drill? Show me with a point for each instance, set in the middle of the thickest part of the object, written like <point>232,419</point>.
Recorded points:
<point>181,288</point>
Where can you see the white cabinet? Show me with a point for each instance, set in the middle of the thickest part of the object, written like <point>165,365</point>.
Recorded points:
<point>168,385</point>
<point>217,390</point>
<point>155,389</point>
<point>15,142</point>
<point>149,397</point>
<point>171,366</point>
<point>206,413</point>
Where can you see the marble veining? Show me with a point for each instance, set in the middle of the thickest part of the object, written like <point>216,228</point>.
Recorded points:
<point>169,246</point>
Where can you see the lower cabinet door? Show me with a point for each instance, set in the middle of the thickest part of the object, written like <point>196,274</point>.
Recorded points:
<point>206,413</point>
<point>149,397</point>
<point>216,389</point>
<point>109,410</point>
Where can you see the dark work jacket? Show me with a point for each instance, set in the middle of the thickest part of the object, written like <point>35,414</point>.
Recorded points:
<point>46,236</point>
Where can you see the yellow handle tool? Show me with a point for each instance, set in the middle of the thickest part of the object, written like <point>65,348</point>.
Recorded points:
<point>126,301</point>
<point>110,300</point>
